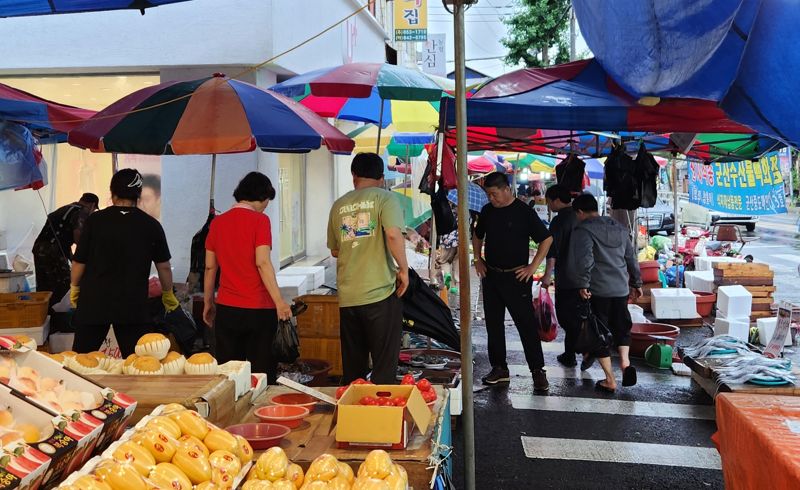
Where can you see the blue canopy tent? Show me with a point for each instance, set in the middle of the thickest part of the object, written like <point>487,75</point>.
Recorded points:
<point>739,53</point>
<point>20,8</point>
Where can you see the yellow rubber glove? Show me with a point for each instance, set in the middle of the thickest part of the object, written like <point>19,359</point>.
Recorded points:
<point>169,301</point>
<point>74,292</point>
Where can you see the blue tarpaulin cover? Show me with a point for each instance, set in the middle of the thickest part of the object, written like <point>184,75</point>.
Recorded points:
<point>740,53</point>
<point>19,8</point>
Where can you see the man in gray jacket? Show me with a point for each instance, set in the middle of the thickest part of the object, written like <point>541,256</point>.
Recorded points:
<point>606,272</point>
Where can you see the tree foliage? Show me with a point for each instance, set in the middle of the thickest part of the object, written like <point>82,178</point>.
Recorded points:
<point>538,28</point>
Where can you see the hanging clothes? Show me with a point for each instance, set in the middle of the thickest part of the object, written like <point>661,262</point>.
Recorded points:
<point>621,183</point>
<point>646,170</point>
<point>570,173</point>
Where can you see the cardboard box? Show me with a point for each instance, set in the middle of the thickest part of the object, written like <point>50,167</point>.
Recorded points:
<point>673,303</point>
<point>360,426</point>
<point>734,301</point>
<point>105,422</point>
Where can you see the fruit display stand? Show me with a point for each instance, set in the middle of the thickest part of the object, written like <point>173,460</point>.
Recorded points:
<point>316,436</point>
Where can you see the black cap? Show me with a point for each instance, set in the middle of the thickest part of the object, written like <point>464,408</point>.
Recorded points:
<point>127,184</point>
<point>90,198</point>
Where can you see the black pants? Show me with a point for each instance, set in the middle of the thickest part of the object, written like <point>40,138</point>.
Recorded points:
<point>374,329</point>
<point>501,291</point>
<point>90,338</point>
<point>616,316</point>
<point>568,302</point>
<point>245,334</point>
<point>52,271</point>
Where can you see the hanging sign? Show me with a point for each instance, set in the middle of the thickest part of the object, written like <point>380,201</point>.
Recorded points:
<point>782,329</point>
<point>411,20</point>
<point>748,187</point>
<point>433,58</point>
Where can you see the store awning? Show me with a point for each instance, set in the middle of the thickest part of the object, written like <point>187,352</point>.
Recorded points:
<point>20,8</point>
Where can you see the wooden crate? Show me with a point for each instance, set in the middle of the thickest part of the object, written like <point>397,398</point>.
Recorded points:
<point>323,348</point>
<point>23,310</point>
<point>321,319</point>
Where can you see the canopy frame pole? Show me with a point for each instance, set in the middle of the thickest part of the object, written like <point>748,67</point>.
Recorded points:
<point>213,180</point>
<point>114,162</point>
<point>468,413</point>
<point>380,127</point>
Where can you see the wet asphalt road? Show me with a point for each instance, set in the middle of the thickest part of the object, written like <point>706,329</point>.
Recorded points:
<point>507,418</point>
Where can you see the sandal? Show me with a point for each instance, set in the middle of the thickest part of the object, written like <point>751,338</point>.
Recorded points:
<point>629,376</point>
<point>601,387</point>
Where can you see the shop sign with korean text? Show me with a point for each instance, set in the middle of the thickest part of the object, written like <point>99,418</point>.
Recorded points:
<point>748,187</point>
<point>411,20</point>
<point>433,57</point>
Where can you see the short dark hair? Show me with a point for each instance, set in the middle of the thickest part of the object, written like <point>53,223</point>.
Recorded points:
<point>495,179</point>
<point>152,181</point>
<point>90,198</point>
<point>558,191</point>
<point>255,186</point>
<point>586,203</point>
<point>367,166</point>
<point>127,184</point>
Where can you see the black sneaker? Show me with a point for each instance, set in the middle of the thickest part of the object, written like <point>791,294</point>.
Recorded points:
<point>587,362</point>
<point>540,384</point>
<point>567,359</point>
<point>497,375</point>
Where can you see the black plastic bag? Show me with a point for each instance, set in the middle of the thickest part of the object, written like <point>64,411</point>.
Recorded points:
<point>181,324</point>
<point>286,345</point>
<point>442,212</point>
<point>570,172</point>
<point>594,334</point>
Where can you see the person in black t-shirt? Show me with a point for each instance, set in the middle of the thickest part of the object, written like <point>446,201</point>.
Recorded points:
<point>507,225</point>
<point>52,249</point>
<point>111,269</point>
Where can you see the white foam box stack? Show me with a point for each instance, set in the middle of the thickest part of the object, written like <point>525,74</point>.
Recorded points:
<point>735,327</point>
<point>38,334</point>
<point>707,263</point>
<point>292,286</point>
<point>673,303</point>
<point>734,301</point>
<point>766,328</point>
<point>315,275</point>
<point>700,281</point>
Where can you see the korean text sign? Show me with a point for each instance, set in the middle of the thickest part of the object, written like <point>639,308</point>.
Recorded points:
<point>747,187</point>
<point>411,20</point>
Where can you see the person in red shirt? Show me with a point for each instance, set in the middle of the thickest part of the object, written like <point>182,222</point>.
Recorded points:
<point>248,304</point>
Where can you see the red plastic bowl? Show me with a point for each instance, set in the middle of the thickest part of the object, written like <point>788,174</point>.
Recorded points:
<point>294,399</point>
<point>261,436</point>
<point>290,416</point>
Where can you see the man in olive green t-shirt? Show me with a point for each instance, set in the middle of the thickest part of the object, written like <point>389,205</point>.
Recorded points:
<point>365,235</point>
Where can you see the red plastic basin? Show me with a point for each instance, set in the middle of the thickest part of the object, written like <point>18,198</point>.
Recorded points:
<point>641,336</point>
<point>649,270</point>
<point>705,302</point>
<point>290,416</point>
<point>260,436</point>
<point>294,399</point>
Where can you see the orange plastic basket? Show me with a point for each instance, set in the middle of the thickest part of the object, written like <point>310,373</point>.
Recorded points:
<point>23,309</point>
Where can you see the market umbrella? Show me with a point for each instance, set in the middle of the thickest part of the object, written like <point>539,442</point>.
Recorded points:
<point>476,197</point>
<point>536,163</point>
<point>425,313</point>
<point>394,143</point>
<point>47,120</point>
<point>44,7</point>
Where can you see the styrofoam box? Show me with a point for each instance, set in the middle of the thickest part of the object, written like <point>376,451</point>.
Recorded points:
<point>292,287</point>
<point>637,314</point>
<point>766,328</point>
<point>239,373</point>
<point>735,327</point>
<point>707,263</point>
<point>734,301</point>
<point>39,334</point>
<point>673,303</point>
<point>315,275</point>
<point>701,281</point>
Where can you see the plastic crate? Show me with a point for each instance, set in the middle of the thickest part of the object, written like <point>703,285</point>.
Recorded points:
<point>24,309</point>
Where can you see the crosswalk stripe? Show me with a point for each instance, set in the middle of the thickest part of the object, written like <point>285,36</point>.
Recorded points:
<point>787,257</point>
<point>559,372</point>
<point>516,345</point>
<point>612,407</point>
<point>621,452</point>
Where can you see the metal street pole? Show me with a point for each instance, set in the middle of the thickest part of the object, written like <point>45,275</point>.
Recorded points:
<point>468,414</point>
<point>573,35</point>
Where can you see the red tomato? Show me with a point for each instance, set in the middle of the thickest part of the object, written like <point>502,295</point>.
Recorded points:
<point>423,385</point>
<point>429,396</point>
<point>368,400</point>
<point>408,379</point>
<point>340,391</point>
<point>385,402</point>
<point>360,381</point>
<point>399,401</point>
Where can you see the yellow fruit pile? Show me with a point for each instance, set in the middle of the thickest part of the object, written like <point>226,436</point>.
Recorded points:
<point>12,431</point>
<point>274,471</point>
<point>177,450</point>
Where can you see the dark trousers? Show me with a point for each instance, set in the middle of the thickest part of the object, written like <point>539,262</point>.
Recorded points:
<point>246,334</point>
<point>501,291</point>
<point>374,329</point>
<point>90,338</point>
<point>52,271</point>
<point>568,302</point>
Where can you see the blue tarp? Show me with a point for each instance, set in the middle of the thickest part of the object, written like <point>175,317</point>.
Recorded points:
<point>18,8</point>
<point>740,53</point>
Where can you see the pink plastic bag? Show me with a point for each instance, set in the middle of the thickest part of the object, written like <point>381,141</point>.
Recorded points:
<point>546,313</point>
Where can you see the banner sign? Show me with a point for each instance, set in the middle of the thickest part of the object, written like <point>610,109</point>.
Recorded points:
<point>433,57</point>
<point>411,20</point>
<point>748,187</point>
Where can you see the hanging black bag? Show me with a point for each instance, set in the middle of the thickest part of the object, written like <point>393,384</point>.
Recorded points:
<point>570,172</point>
<point>646,169</point>
<point>593,335</point>
<point>442,212</point>
<point>286,345</point>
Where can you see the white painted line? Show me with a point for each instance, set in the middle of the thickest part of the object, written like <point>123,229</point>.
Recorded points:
<point>788,257</point>
<point>560,372</point>
<point>516,345</point>
<point>621,452</point>
<point>612,407</point>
